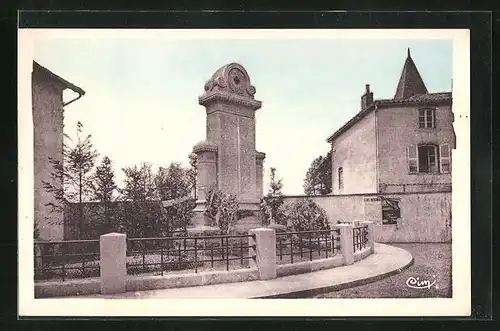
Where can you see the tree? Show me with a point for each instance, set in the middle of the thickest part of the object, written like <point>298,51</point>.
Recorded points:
<point>272,205</point>
<point>103,185</point>
<point>192,172</point>
<point>172,182</point>
<point>306,215</point>
<point>318,179</point>
<point>71,177</point>
<point>325,176</point>
<point>139,184</point>
<point>140,212</point>
<point>180,214</point>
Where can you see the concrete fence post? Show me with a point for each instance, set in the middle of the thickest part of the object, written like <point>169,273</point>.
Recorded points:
<point>113,250</point>
<point>346,243</point>
<point>264,240</point>
<point>371,235</point>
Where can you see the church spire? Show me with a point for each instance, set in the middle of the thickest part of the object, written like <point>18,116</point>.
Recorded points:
<point>410,82</point>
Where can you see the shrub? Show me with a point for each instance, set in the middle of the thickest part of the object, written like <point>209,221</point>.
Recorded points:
<point>221,209</point>
<point>244,213</point>
<point>278,228</point>
<point>273,211</point>
<point>306,215</point>
<point>213,201</point>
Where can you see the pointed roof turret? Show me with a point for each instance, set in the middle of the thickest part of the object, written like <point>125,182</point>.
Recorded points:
<point>410,82</point>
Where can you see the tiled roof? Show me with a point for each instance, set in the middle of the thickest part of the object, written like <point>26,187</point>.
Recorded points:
<point>428,98</point>
<point>40,69</point>
<point>410,82</point>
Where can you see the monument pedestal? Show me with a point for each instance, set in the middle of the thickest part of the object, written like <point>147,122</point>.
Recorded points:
<point>202,223</point>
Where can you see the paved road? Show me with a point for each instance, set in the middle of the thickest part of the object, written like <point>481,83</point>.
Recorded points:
<point>431,262</point>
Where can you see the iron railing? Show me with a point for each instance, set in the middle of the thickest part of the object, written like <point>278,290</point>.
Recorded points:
<point>170,254</point>
<point>360,238</point>
<point>66,259</point>
<point>307,245</point>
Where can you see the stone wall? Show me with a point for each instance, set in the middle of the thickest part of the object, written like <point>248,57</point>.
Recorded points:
<point>425,217</point>
<point>47,107</point>
<point>355,152</point>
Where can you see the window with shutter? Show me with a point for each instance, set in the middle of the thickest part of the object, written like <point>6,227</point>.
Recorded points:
<point>445,158</point>
<point>412,153</point>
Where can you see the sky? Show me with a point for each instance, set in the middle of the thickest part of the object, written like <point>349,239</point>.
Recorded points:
<point>141,101</point>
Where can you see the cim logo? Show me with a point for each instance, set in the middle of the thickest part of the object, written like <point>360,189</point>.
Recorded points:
<point>417,283</point>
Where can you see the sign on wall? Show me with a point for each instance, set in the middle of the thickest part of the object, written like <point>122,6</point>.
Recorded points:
<point>390,210</point>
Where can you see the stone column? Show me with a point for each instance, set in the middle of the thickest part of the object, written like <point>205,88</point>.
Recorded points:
<point>346,244</point>
<point>259,167</point>
<point>206,152</point>
<point>371,234</point>
<point>113,263</point>
<point>265,260</point>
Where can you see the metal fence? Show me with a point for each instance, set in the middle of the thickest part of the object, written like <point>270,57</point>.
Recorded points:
<point>360,238</point>
<point>307,245</point>
<point>198,253</point>
<point>66,259</point>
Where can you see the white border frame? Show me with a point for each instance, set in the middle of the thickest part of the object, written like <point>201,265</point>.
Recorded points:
<point>459,305</point>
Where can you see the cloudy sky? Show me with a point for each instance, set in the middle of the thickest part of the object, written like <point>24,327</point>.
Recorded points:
<point>141,102</point>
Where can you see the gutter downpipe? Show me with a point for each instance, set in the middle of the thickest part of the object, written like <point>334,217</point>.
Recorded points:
<point>71,101</point>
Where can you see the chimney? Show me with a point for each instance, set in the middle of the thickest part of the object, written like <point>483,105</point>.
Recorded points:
<point>367,98</point>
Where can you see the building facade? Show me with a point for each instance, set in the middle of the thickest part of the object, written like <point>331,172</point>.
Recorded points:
<point>396,145</point>
<point>48,107</point>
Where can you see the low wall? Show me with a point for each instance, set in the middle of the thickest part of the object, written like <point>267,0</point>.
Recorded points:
<point>187,280</point>
<point>68,288</point>
<point>263,265</point>
<point>425,216</point>
<point>309,266</point>
<point>362,254</point>
<point>144,283</point>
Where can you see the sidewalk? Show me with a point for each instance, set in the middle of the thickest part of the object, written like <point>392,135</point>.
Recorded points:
<point>386,261</point>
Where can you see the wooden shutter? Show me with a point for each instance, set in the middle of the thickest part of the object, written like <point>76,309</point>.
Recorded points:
<point>444,159</point>
<point>412,153</point>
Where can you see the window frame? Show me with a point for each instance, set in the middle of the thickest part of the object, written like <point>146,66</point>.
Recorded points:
<point>432,168</point>
<point>423,113</point>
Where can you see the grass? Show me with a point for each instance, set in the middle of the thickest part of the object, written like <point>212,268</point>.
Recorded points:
<point>431,262</point>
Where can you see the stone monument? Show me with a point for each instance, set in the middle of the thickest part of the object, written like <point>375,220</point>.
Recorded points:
<point>228,157</point>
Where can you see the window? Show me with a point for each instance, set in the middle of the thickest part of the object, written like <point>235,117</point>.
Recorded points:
<point>427,161</point>
<point>341,178</point>
<point>428,158</point>
<point>426,118</point>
